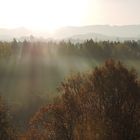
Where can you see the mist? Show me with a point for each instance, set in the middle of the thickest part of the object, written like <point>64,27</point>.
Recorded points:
<point>32,71</point>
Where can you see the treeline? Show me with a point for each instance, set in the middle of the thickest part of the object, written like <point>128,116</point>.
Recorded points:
<point>98,50</point>
<point>103,104</point>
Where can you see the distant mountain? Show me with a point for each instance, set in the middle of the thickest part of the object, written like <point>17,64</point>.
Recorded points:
<point>9,34</point>
<point>126,31</point>
<point>99,37</point>
<point>98,32</point>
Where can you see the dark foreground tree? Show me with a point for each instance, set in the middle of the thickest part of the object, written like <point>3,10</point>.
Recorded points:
<point>117,101</point>
<point>6,129</point>
<point>101,105</point>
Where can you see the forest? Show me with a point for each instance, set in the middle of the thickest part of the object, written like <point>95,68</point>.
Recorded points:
<point>69,91</point>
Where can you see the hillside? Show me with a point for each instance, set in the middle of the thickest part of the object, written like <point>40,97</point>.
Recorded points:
<point>97,32</point>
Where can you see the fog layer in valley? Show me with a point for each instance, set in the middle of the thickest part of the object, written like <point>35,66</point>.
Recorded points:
<point>31,72</point>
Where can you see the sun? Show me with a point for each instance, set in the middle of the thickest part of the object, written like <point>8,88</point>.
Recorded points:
<point>48,14</point>
<point>52,14</point>
<point>44,14</point>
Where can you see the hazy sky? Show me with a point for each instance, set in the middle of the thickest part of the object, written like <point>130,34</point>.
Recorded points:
<point>44,14</point>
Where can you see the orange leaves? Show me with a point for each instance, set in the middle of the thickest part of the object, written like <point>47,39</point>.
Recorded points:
<point>97,105</point>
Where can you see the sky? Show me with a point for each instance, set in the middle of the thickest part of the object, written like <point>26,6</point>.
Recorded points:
<point>52,14</point>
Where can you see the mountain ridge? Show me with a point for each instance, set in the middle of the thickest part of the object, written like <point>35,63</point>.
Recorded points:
<point>108,31</point>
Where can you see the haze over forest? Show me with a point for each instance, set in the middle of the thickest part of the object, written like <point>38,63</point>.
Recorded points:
<point>69,70</point>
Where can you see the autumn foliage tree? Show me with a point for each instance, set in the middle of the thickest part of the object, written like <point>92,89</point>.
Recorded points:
<point>6,130</point>
<point>116,101</point>
<point>102,105</point>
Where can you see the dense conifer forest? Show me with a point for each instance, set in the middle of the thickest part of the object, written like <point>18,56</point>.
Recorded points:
<point>69,91</point>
